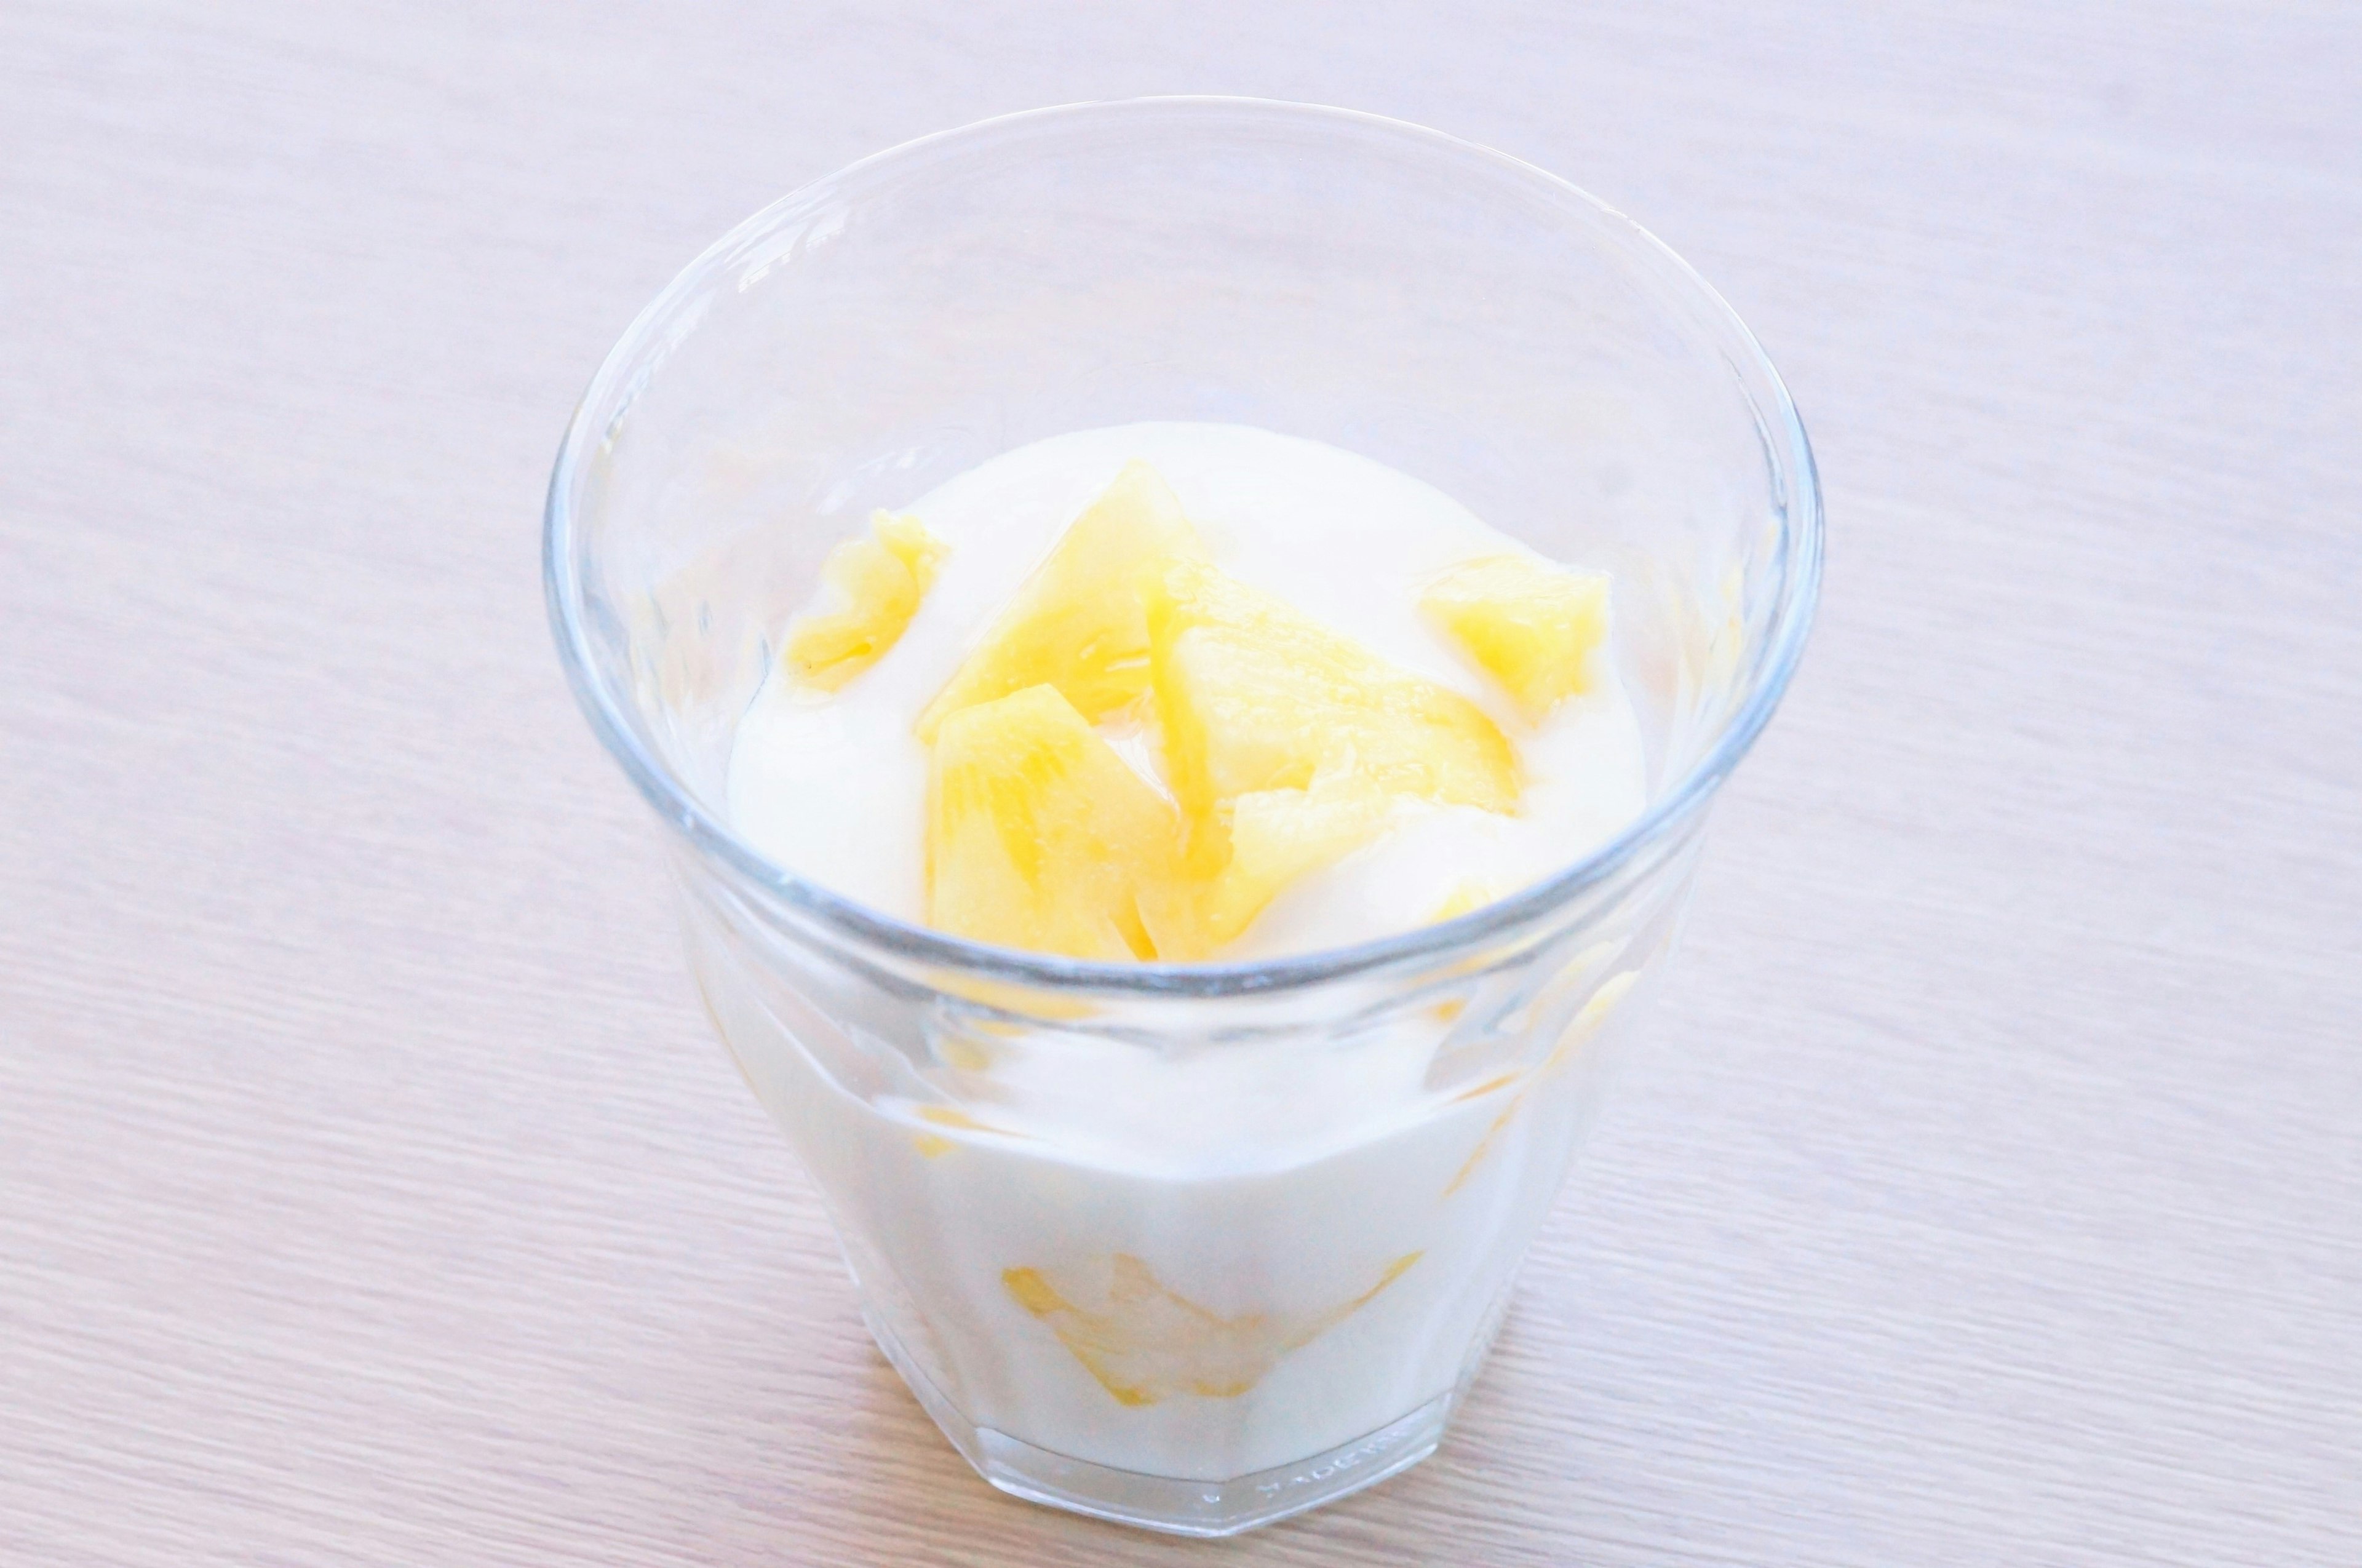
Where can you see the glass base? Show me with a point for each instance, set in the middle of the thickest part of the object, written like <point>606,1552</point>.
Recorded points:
<point>1159,1503</point>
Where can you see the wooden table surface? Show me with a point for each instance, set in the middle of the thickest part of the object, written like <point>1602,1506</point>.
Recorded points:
<point>370,1191</point>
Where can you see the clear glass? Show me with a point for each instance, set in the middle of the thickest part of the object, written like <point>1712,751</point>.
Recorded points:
<point>1188,1247</point>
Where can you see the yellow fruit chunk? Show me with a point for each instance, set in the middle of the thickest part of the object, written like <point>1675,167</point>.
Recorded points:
<point>1580,1029</point>
<point>1038,834</point>
<point>879,582</point>
<point>1274,837</point>
<point>1144,1341</point>
<point>1467,896</point>
<point>1587,1022</point>
<point>1076,623</point>
<point>1534,627</point>
<point>1255,696</point>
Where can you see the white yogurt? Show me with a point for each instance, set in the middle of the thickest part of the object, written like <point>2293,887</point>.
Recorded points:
<point>833,786</point>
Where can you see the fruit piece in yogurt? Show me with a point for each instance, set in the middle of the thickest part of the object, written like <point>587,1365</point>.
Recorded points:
<point>1467,896</point>
<point>1077,624</point>
<point>877,582</point>
<point>1534,627</point>
<point>1150,1342</point>
<point>1255,695</point>
<point>1273,836</point>
<point>1039,835</point>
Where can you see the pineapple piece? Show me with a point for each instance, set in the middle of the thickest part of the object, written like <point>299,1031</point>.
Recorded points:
<point>1274,837</point>
<point>1256,696</point>
<point>879,582</point>
<point>1534,627</point>
<point>1467,896</point>
<point>1076,623</point>
<point>1148,1342</point>
<point>1038,834</point>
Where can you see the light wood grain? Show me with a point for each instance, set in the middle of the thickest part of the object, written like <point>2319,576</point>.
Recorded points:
<point>370,1191</point>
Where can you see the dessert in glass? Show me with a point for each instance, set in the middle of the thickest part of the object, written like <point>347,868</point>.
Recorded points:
<point>1184,648</point>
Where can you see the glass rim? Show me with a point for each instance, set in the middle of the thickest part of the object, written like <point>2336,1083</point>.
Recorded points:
<point>1769,672</point>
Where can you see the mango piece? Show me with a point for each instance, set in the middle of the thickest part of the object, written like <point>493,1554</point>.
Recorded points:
<point>1255,696</point>
<point>1534,627</point>
<point>1038,834</point>
<point>878,582</point>
<point>1078,622</point>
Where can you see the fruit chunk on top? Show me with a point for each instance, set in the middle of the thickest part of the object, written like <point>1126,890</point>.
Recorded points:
<point>1038,834</point>
<point>1254,695</point>
<point>1288,747</point>
<point>879,582</point>
<point>1534,627</point>
<point>1077,624</point>
<point>1260,842</point>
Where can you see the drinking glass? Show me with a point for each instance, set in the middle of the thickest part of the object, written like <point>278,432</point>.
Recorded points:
<point>1190,1247</point>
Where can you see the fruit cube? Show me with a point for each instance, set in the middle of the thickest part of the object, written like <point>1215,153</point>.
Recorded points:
<point>1272,837</point>
<point>878,582</point>
<point>1039,835</point>
<point>1534,627</point>
<point>1467,896</point>
<point>1077,624</point>
<point>1253,696</point>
